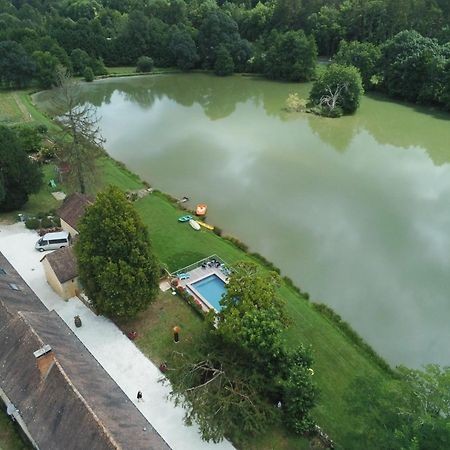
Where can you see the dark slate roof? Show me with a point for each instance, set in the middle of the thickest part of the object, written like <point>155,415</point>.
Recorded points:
<point>22,300</point>
<point>77,406</point>
<point>64,263</point>
<point>73,208</point>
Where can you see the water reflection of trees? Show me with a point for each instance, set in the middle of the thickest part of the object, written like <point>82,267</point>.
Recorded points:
<point>217,96</point>
<point>387,121</point>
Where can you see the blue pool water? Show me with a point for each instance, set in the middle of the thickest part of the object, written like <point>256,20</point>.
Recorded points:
<point>212,288</point>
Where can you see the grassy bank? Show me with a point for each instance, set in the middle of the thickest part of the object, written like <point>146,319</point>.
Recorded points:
<point>338,359</point>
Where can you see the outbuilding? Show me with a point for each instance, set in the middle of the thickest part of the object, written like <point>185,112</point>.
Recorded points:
<point>61,272</point>
<point>72,210</point>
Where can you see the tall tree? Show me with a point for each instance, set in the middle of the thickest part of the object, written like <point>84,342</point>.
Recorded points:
<point>80,141</point>
<point>16,66</point>
<point>231,385</point>
<point>411,412</point>
<point>19,176</point>
<point>364,56</point>
<point>337,90</point>
<point>117,267</point>
<point>291,56</point>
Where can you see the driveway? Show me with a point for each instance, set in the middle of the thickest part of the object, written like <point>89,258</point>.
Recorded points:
<point>124,362</point>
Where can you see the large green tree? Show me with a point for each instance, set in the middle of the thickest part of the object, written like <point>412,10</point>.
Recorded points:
<point>117,267</point>
<point>242,369</point>
<point>337,90</point>
<point>19,176</point>
<point>224,64</point>
<point>291,56</point>
<point>182,49</point>
<point>408,413</point>
<point>16,66</point>
<point>408,60</point>
<point>364,56</point>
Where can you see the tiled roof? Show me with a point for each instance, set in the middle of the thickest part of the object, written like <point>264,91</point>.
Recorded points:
<point>77,405</point>
<point>64,263</point>
<point>73,208</point>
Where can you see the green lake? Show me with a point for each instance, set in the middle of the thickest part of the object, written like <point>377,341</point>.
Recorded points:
<point>355,210</point>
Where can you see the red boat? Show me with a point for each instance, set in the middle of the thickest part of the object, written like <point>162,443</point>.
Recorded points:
<point>201,208</point>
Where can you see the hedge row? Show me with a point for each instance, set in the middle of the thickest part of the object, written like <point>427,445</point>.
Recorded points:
<point>353,336</point>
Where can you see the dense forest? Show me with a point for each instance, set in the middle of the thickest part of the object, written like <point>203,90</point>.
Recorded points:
<point>401,47</point>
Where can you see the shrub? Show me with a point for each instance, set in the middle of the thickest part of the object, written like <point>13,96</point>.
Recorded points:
<point>46,223</point>
<point>239,244</point>
<point>291,284</point>
<point>144,64</point>
<point>294,103</point>
<point>33,223</point>
<point>56,221</point>
<point>217,231</point>
<point>88,74</point>
<point>337,88</point>
<point>191,301</point>
<point>265,262</point>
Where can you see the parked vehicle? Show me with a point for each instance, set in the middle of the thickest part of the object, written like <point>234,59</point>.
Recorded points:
<point>53,241</point>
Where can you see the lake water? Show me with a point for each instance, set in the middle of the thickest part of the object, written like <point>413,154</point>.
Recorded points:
<point>355,210</point>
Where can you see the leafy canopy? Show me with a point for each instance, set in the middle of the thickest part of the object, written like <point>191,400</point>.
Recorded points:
<point>117,267</point>
<point>242,369</point>
<point>19,176</point>
<point>337,88</point>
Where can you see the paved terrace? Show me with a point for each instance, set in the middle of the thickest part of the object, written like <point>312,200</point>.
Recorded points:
<point>198,274</point>
<point>123,361</point>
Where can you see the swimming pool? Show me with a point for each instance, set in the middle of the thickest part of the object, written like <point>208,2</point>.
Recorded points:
<point>211,288</point>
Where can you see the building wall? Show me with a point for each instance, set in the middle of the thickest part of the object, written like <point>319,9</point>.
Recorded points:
<point>66,227</point>
<point>71,288</point>
<point>65,290</point>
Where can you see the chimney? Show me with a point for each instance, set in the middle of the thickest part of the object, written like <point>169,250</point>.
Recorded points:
<point>44,359</point>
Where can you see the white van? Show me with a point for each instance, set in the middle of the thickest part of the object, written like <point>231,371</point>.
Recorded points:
<point>53,241</point>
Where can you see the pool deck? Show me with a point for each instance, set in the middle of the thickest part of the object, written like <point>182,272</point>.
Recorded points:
<point>199,274</point>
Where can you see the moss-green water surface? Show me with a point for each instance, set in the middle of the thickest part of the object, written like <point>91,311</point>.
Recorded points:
<point>356,210</point>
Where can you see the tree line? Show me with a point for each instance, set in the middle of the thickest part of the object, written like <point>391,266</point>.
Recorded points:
<point>401,47</point>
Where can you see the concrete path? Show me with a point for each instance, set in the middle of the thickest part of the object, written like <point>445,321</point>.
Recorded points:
<point>131,370</point>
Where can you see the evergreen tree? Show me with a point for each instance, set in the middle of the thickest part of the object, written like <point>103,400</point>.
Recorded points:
<point>117,267</point>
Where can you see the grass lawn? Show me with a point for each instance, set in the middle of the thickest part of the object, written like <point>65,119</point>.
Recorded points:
<point>9,108</point>
<point>9,437</point>
<point>155,339</point>
<point>337,360</point>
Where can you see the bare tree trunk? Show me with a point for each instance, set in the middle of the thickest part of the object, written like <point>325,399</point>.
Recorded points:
<point>81,141</point>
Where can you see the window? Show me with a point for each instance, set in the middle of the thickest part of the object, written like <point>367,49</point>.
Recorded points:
<point>58,241</point>
<point>14,287</point>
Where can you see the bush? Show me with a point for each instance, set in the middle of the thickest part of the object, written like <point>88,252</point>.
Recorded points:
<point>46,223</point>
<point>338,87</point>
<point>239,244</point>
<point>217,231</point>
<point>291,284</point>
<point>88,74</point>
<point>144,64</point>
<point>265,262</point>
<point>191,301</point>
<point>33,223</point>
